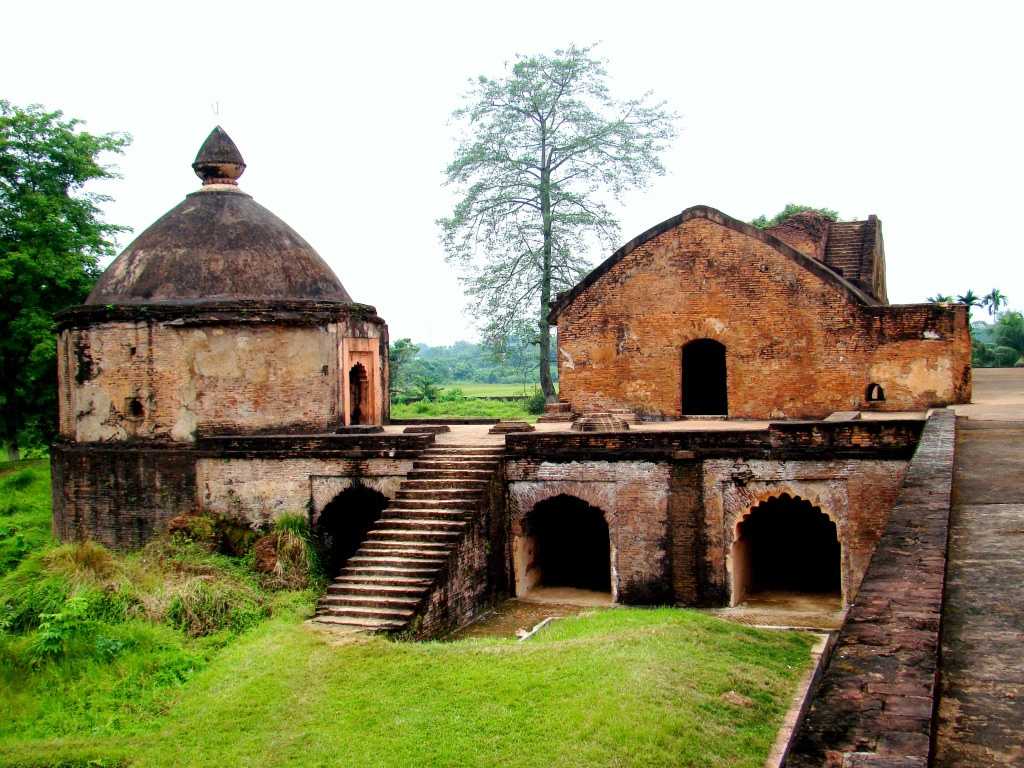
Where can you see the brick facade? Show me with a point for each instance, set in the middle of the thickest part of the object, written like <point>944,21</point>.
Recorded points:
<point>165,379</point>
<point>801,342</point>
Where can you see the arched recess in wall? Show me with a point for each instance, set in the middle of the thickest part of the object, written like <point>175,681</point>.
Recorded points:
<point>343,524</point>
<point>786,546</point>
<point>705,381</point>
<point>359,395</point>
<point>566,543</point>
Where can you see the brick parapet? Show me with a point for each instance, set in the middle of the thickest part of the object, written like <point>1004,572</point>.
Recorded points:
<point>861,439</point>
<point>875,704</point>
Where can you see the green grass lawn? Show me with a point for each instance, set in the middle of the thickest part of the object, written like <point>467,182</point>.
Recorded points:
<point>97,668</point>
<point>475,389</point>
<point>468,408</point>
<point>626,687</point>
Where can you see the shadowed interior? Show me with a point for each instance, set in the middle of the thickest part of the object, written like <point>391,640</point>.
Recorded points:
<point>786,545</point>
<point>344,523</point>
<point>570,545</point>
<point>704,379</point>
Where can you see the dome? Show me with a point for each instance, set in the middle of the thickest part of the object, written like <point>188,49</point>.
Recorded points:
<point>218,245</point>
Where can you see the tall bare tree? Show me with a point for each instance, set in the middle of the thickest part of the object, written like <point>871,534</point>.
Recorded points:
<point>545,150</point>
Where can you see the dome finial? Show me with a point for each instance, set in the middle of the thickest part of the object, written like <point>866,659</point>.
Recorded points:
<point>219,161</point>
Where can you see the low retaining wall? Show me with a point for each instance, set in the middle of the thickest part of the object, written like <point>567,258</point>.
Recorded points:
<point>875,704</point>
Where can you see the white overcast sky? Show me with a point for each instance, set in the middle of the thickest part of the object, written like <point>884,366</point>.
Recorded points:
<point>912,111</point>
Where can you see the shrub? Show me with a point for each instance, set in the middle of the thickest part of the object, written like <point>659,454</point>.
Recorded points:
<point>452,395</point>
<point>204,605</point>
<point>535,402</point>
<point>82,562</point>
<point>20,480</point>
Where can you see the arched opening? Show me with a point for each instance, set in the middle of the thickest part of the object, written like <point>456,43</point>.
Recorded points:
<point>874,393</point>
<point>344,523</point>
<point>786,546</point>
<point>566,545</point>
<point>705,389</point>
<point>359,395</point>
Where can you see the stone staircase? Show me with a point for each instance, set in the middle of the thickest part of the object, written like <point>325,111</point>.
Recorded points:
<point>844,249</point>
<point>384,584</point>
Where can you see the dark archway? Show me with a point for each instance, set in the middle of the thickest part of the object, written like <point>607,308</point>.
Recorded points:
<point>358,395</point>
<point>786,544</point>
<point>705,388</point>
<point>344,523</point>
<point>567,546</point>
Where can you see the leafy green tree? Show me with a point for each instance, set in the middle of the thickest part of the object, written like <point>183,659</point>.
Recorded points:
<point>994,300</point>
<point>941,298</point>
<point>400,353</point>
<point>1009,331</point>
<point>791,209</point>
<point>52,236</point>
<point>426,388</point>
<point>545,149</point>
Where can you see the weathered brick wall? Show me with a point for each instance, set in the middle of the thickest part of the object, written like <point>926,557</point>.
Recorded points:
<point>855,495</point>
<point>633,495</point>
<point>149,379</point>
<point>117,495</point>
<point>875,703</point>
<point>672,523</point>
<point>262,489</point>
<point>476,574</point>
<point>798,343</point>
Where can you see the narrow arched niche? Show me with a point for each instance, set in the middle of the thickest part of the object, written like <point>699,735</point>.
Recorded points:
<point>566,544</point>
<point>874,393</point>
<point>344,523</point>
<point>784,548</point>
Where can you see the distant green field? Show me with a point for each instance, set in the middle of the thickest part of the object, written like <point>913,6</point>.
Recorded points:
<point>473,389</point>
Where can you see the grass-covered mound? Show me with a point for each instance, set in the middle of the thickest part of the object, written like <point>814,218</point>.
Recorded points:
<point>93,641</point>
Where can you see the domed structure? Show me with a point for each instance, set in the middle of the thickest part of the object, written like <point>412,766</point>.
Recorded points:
<point>218,245</point>
<point>218,320</point>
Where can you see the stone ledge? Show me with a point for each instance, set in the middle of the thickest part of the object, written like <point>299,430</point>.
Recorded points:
<point>875,703</point>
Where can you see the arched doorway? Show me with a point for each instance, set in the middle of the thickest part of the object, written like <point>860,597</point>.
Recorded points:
<point>705,388</point>
<point>344,523</point>
<point>566,544</point>
<point>359,395</point>
<point>786,546</point>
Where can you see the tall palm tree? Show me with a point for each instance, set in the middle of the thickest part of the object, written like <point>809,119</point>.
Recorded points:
<point>994,301</point>
<point>971,299</point>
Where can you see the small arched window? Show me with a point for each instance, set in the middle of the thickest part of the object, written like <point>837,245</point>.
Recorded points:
<point>875,393</point>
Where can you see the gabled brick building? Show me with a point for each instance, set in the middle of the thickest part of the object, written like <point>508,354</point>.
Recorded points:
<point>707,315</point>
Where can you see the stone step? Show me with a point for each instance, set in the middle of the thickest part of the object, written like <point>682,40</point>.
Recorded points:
<point>375,600</point>
<point>431,514</point>
<point>366,624</point>
<point>369,587</point>
<point>422,523</point>
<point>463,452</point>
<point>392,570</point>
<point>369,612</point>
<point>450,463</point>
<point>421,494</point>
<point>393,561</point>
<point>419,533</point>
<point>432,504</point>
<point>386,581</point>
<point>439,484</point>
<point>417,550</point>
<point>454,474</point>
